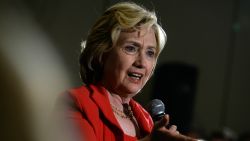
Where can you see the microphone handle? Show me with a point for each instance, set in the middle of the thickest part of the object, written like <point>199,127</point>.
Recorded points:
<point>177,137</point>
<point>158,117</point>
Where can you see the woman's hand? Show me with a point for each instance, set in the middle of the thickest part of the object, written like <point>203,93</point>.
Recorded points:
<point>160,132</point>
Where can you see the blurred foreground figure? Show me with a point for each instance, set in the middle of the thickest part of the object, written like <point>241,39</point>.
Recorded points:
<point>32,74</point>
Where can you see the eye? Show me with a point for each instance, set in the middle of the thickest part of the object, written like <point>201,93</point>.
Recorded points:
<point>151,53</point>
<point>130,49</point>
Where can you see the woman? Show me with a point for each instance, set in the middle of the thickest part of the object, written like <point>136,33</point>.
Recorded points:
<point>118,58</point>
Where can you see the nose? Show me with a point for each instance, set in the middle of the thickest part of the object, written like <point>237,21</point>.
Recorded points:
<point>140,61</point>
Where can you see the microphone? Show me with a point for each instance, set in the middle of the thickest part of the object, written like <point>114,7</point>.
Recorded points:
<point>156,109</point>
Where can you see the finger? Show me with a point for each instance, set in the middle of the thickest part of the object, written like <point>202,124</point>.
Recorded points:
<point>166,117</point>
<point>163,122</point>
<point>173,128</point>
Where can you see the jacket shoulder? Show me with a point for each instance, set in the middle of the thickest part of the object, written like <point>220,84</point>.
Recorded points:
<point>82,99</point>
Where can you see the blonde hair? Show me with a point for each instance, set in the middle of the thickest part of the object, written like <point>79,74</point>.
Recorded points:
<point>106,31</point>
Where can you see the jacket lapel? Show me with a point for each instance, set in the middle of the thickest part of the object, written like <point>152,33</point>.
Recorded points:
<point>100,97</point>
<point>144,120</point>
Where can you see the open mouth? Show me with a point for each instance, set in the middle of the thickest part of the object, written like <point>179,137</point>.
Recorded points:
<point>136,76</point>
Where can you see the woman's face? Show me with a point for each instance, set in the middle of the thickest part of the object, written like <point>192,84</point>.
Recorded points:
<point>130,64</point>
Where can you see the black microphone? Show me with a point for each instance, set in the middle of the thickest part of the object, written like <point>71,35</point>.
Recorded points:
<point>156,109</point>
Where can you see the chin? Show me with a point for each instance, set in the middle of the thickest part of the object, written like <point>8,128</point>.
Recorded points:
<point>130,89</point>
<point>134,90</point>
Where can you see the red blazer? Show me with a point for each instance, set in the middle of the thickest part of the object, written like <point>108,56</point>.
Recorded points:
<point>92,114</point>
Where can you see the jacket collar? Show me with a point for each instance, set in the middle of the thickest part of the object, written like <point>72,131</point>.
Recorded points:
<point>100,97</point>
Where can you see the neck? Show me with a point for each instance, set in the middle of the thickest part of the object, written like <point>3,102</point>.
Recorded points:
<point>117,100</point>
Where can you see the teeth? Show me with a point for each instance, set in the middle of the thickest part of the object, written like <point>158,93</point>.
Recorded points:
<point>135,75</point>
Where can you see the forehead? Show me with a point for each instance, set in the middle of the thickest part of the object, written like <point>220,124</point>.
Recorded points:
<point>141,35</point>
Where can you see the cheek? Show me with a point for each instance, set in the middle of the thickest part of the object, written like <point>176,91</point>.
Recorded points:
<point>120,64</point>
<point>151,69</point>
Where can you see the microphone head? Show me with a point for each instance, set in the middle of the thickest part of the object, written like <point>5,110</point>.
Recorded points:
<point>156,109</point>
